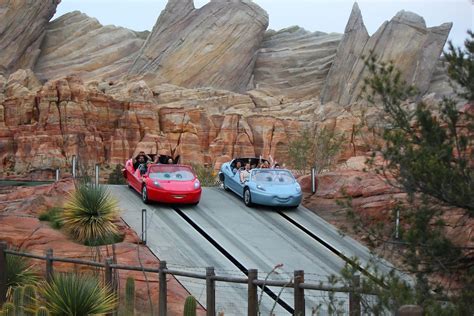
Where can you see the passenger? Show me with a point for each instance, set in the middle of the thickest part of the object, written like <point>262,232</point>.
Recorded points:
<point>238,166</point>
<point>170,161</point>
<point>265,165</point>
<point>140,158</point>
<point>277,166</point>
<point>245,174</point>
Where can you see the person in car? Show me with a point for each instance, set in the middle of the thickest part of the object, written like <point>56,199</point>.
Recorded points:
<point>238,166</point>
<point>245,174</point>
<point>141,158</point>
<point>170,161</point>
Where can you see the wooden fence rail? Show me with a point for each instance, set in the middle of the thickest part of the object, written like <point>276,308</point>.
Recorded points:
<point>297,283</point>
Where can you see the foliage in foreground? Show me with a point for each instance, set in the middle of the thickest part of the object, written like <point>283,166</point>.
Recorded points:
<point>88,215</point>
<point>315,148</point>
<point>429,154</point>
<point>74,294</point>
<point>19,272</point>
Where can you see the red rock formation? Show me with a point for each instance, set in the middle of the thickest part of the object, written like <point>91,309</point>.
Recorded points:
<point>22,229</point>
<point>43,126</point>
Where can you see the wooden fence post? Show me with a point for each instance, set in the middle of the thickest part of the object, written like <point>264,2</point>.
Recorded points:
<point>210,292</point>
<point>163,291</point>
<point>49,265</point>
<point>3,273</point>
<point>108,276</point>
<point>354,298</point>
<point>108,273</point>
<point>299,293</point>
<point>252,307</point>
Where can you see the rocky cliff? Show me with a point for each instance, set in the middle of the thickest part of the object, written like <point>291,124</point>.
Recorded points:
<point>405,40</point>
<point>208,83</point>
<point>22,30</point>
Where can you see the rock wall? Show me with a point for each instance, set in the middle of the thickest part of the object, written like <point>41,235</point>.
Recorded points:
<point>77,44</point>
<point>213,46</point>
<point>293,63</point>
<point>22,25</point>
<point>44,125</point>
<point>405,40</point>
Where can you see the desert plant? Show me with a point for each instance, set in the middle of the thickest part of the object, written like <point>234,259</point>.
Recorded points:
<point>116,176</point>
<point>206,175</point>
<point>17,299</point>
<point>318,147</point>
<point>42,311</point>
<point>53,216</point>
<point>9,309</point>
<point>130,296</point>
<point>190,306</point>
<point>29,300</point>
<point>73,294</point>
<point>89,213</point>
<point>19,272</point>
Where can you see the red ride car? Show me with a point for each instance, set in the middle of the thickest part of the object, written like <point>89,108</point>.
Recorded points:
<point>168,183</point>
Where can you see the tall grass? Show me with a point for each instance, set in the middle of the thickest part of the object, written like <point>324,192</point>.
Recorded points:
<point>88,215</point>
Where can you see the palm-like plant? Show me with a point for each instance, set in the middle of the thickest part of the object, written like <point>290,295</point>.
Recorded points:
<point>19,272</point>
<point>74,294</point>
<point>88,215</point>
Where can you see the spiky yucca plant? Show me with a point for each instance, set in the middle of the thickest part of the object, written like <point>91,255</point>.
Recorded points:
<point>19,273</point>
<point>88,215</point>
<point>74,294</point>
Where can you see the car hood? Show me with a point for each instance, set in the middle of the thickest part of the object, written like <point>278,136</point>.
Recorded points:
<point>279,189</point>
<point>175,185</point>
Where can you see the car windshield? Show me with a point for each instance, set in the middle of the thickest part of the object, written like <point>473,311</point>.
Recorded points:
<point>171,172</point>
<point>273,176</point>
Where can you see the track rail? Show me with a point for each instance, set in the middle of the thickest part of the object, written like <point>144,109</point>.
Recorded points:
<point>329,247</point>
<point>232,259</point>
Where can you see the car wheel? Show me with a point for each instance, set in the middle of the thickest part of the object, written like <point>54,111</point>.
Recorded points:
<point>145,195</point>
<point>247,197</point>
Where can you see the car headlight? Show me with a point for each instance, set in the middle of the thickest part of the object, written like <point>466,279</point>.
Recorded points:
<point>156,184</point>
<point>197,184</point>
<point>298,188</point>
<point>260,187</point>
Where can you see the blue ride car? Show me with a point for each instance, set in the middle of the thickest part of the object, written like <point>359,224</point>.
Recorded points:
<point>272,187</point>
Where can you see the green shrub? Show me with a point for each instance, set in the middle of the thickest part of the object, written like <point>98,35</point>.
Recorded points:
<point>88,215</point>
<point>72,294</point>
<point>53,216</point>
<point>206,175</point>
<point>19,273</point>
<point>116,176</point>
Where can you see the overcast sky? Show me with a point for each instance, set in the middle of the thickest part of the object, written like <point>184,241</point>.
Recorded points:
<point>313,15</point>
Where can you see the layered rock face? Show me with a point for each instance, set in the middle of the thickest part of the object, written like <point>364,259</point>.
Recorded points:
<point>207,84</point>
<point>405,40</point>
<point>77,44</point>
<point>22,25</point>
<point>213,46</point>
<point>293,63</point>
<point>42,128</point>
